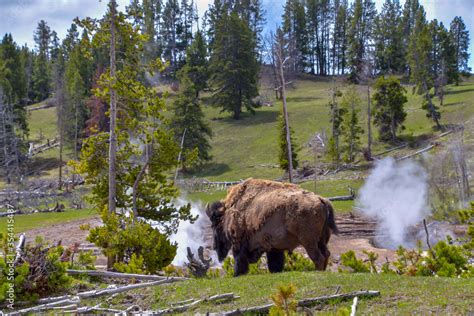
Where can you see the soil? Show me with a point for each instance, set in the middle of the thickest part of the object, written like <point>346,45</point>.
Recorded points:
<point>356,233</point>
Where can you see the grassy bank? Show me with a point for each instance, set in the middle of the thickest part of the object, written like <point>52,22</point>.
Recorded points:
<point>30,221</point>
<point>399,294</point>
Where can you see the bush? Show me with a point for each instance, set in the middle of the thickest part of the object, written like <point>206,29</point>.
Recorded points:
<point>40,271</point>
<point>135,244</point>
<point>297,262</point>
<point>285,304</point>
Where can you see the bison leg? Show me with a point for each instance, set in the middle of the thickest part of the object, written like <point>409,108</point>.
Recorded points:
<point>325,252</point>
<point>241,265</point>
<point>317,257</point>
<point>275,260</point>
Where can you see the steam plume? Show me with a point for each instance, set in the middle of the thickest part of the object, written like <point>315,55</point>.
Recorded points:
<point>396,195</point>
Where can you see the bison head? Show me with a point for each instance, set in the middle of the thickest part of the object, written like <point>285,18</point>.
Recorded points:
<point>215,211</point>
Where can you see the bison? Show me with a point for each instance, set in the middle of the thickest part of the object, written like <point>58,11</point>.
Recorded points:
<point>261,216</point>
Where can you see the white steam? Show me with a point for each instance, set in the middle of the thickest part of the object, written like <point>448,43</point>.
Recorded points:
<point>396,195</point>
<point>191,235</point>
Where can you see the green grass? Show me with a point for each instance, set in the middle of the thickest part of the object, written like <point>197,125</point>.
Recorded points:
<point>30,221</point>
<point>399,294</point>
<point>240,148</point>
<point>42,124</point>
<point>326,188</point>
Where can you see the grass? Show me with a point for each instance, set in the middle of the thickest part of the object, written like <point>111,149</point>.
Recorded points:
<point>42,124</point>
<point>325,188</point>
<point>30,221</point>
<point>399,294</point>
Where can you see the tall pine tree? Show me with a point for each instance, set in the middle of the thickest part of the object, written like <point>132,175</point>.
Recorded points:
<point>234,66</point>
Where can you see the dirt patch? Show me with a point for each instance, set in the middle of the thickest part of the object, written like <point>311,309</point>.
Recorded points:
<point>68,233</point>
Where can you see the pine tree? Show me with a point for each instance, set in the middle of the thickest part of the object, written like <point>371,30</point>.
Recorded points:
<point>196,67</point>
<point>389,114</point>
<point>351,128</point>
<point>234,66</point>
<point>460,37</point>
<point>15,75</point>
<point>419,50</point>
<point>336,118</point>
<point>295,29</point>
<point>189,126</point>
<point>410,11</point>
<point>283,146</point>
<point>340,37</point>
<point>359,35</point>
<point>41,77</point>
<point>171,31</point>
<point>389,57</point>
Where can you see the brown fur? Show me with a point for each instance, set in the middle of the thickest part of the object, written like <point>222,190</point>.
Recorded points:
<point>249,206</point>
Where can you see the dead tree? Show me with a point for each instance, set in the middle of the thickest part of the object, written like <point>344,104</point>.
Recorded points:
<point>278,51</point>
<point>10,155</point>
<point>198,267</point>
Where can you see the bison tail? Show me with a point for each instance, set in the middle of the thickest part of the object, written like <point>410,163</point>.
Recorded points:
<point>330,220</point>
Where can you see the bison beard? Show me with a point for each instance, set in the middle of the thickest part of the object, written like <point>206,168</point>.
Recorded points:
<point>260,216</point>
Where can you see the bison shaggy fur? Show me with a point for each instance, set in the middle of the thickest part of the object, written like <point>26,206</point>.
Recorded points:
<point>262,216</point>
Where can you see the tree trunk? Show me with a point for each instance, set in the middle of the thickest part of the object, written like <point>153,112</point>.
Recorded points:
<point>113,114</point>
<point>369,123</point>
<point>285,113</point>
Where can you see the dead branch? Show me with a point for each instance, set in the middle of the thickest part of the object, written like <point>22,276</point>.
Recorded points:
<point>185,307</point>
<point>428,238</point>
<point>418,152</point>
<point>354,306</point>
<point>304,302</point>
<point>43,307</point>
<point>118,275</point>
<point>197,267</point>
<point>95,293</point>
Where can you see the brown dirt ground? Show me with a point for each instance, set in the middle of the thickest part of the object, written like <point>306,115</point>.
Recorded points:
<point>70,233</point>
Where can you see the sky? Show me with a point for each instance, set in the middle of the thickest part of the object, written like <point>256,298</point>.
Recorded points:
<point>20,17</point>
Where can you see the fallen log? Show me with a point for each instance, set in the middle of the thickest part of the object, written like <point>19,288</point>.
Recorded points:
<point>342,198</point>
<point>416,153</point>
<point>304,302</point>
<point>118,275</point>
<point>185,307</point>
<point>96,293</point>
<point>43,307</point>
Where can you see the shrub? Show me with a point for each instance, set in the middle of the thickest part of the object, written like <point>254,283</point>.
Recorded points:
<point>40,271</point>
<point>285,304</point>
<point>297,262</point>
<point>350,260</point>
<point>121,239</point>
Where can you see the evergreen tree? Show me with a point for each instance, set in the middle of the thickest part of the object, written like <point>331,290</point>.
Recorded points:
<point>171,31</point>
<point>336,119</point>
<point>188,125</point>
<point>419,50</point>
<point>360,34</point>
<point>389,114</point>
<point>41,77</point>
<point>283,146</point>
<point>460,37</point>
<point>234,66</point>
<point>389,57</point>
<point>295,29</point>
<point>410,11</point>
<point>196,67</point>
<point>351,128</point>
<point>15,76</point>
<point>442,58</point>
<point>340,37</point>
